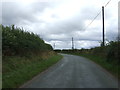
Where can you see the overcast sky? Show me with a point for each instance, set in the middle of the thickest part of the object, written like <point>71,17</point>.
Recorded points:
<point>57,21</point>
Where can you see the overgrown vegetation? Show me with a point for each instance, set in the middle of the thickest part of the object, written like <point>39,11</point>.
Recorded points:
<point>16,41</point>
<point>18,70</point>
<point>106,56</point>
<point>24,55</point>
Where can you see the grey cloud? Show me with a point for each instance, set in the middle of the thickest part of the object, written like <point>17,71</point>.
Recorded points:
<point>62,30</point>
<point>39,6</point>
<point>65,27</point>
<point>78,36</point>
<point>90,12</point>
<point>13,13</point>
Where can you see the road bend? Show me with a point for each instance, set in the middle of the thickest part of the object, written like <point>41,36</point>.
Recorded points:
<point>73,72</point>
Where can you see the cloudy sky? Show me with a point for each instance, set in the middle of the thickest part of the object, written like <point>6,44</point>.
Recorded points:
<point>57,21</point>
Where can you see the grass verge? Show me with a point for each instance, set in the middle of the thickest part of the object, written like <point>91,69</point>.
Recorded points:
<point>25,69</point>
<point>111,67</point>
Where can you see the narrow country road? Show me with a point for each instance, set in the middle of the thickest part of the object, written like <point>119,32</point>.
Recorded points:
<point>73,72</point>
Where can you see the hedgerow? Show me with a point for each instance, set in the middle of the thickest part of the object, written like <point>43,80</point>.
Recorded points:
<point>16,41</point>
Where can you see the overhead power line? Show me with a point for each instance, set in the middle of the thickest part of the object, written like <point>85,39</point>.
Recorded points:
<point>107,3</point>
<point>96,16</point>
<point>92,20</point>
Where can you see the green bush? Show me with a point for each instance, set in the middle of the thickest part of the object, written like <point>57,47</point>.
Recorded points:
<point>112,53</point>
<point>16,41</point>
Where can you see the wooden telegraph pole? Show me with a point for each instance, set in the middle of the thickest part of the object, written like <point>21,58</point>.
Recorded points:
<point>54,46</point>
<point>103,43</point>
<point>72,44</point>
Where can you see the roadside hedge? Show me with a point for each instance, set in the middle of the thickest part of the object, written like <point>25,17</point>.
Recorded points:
<point>16,41</point>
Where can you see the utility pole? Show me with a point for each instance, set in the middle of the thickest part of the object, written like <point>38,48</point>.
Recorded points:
<point>54,46</point>
<point>103,43</point>
<point>72,44</point>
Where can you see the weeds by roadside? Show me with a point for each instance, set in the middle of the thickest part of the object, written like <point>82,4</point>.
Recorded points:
<point>18,70</point>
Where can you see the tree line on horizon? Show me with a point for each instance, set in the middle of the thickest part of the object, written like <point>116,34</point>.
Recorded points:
<point>110,51</point>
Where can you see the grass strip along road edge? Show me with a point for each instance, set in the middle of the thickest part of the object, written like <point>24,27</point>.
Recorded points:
<point>21,75</point>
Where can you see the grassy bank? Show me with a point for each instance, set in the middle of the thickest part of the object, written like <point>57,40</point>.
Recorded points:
<point>112,67</point>
<point>18,70</point>
<point>24,55</point>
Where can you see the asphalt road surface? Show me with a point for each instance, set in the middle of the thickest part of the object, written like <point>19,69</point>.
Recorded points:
<point>73,72</point>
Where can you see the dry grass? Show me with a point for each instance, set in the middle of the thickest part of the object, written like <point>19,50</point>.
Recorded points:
<point>18,70</point>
